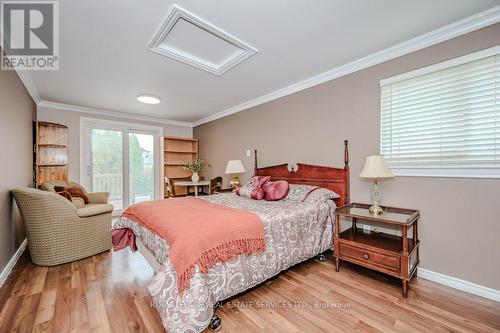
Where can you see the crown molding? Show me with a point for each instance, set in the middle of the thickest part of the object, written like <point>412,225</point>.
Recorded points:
<point>110,113</point>
<point>469,24</point>
<point>25,78</point>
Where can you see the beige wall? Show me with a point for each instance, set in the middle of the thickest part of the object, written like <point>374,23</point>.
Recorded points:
<point>460,225</point>
<point>17,112</point>
<point>72,120</point>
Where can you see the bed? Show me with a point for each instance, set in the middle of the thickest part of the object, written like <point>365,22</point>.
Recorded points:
<point>294,231</point>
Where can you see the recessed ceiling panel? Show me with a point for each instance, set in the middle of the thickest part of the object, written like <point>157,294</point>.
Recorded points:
<point>189,39</point>
<point>193,41</point>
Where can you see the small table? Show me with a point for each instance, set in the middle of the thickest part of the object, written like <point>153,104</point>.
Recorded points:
<point>397,256</point>
<point>195,185</point>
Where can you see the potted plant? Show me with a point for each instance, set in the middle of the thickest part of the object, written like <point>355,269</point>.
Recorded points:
<point>195,167</point>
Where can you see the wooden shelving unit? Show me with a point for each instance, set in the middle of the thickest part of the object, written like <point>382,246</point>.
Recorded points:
<point>177,151</point>
<point>51,152</point>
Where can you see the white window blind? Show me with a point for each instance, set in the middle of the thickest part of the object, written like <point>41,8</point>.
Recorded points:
<point>444,120</point>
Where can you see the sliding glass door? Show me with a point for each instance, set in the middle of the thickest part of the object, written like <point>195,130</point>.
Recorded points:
<point>141,167</point>
<point>106,168</point>
<point>122,160</point>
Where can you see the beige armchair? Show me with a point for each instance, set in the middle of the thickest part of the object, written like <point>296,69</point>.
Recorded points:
<point>58,231</point>
<point>95,198</point>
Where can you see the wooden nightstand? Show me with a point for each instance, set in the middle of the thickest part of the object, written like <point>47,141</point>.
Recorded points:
<point>393,255</point>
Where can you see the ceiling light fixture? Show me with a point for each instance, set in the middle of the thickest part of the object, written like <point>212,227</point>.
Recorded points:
<point>148,99</point>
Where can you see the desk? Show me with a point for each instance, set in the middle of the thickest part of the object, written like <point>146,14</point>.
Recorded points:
<point>196,185</point>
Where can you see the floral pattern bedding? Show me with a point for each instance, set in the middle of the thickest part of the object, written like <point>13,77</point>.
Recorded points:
<point>294,231</point>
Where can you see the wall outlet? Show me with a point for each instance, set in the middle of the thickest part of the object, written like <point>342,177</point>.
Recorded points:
<point>249,153</point>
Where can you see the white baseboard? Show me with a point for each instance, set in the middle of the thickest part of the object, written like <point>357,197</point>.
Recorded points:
<point>459,284</point>
<point>12,262</point>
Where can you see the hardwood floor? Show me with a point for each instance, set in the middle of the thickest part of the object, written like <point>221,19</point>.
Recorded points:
<point>107,293</point>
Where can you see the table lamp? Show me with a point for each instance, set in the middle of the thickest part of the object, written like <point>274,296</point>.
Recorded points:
<point>375,170</point>
<point>235,167</point>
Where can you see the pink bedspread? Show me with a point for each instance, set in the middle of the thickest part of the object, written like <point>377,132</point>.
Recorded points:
<point>200,232</point>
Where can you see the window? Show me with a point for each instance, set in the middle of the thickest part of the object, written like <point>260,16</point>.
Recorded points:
<point>444,120</point>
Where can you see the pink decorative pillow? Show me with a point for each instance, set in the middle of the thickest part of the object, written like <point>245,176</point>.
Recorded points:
<point>253,189</point>
<point>276,190</point>
<point>258,181</point>
<point>255,193</point>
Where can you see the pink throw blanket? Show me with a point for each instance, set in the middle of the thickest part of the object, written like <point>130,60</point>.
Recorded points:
<point>199,232</point>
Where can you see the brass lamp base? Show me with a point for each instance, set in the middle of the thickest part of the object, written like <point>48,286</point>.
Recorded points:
<point>235,182</point>
<point>376,210</point>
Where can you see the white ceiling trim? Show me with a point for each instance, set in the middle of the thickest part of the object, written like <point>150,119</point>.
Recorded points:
<point>175,14</point>
<point>469,24</point>
<point>25,78</point>
<point>110,113</point>
<point>27,81</point>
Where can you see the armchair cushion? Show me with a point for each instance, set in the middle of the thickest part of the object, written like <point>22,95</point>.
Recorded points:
<point>93,210</point>
<point>78,202</point>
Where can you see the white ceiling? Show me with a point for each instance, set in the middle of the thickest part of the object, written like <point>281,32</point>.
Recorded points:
<point>104,61</point>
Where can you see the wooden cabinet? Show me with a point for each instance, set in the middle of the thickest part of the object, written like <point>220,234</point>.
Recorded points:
<point>397,256</point>
<point>177,151</point>
<point>51,152</point>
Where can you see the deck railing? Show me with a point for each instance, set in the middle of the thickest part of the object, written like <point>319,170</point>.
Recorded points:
<point>113,184</point>
<point>108,182</point>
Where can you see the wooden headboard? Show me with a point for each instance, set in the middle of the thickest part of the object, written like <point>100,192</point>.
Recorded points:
<point>335,179</point>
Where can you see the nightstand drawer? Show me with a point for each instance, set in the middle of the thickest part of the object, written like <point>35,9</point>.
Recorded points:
<point>370,257</point>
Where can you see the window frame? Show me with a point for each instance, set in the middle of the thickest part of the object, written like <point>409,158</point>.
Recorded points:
<point>460,170</point>
<point>86,124</point>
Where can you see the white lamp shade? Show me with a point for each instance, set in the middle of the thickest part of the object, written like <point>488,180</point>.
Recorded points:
<point>235,166</point>
<point>376,168</point>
